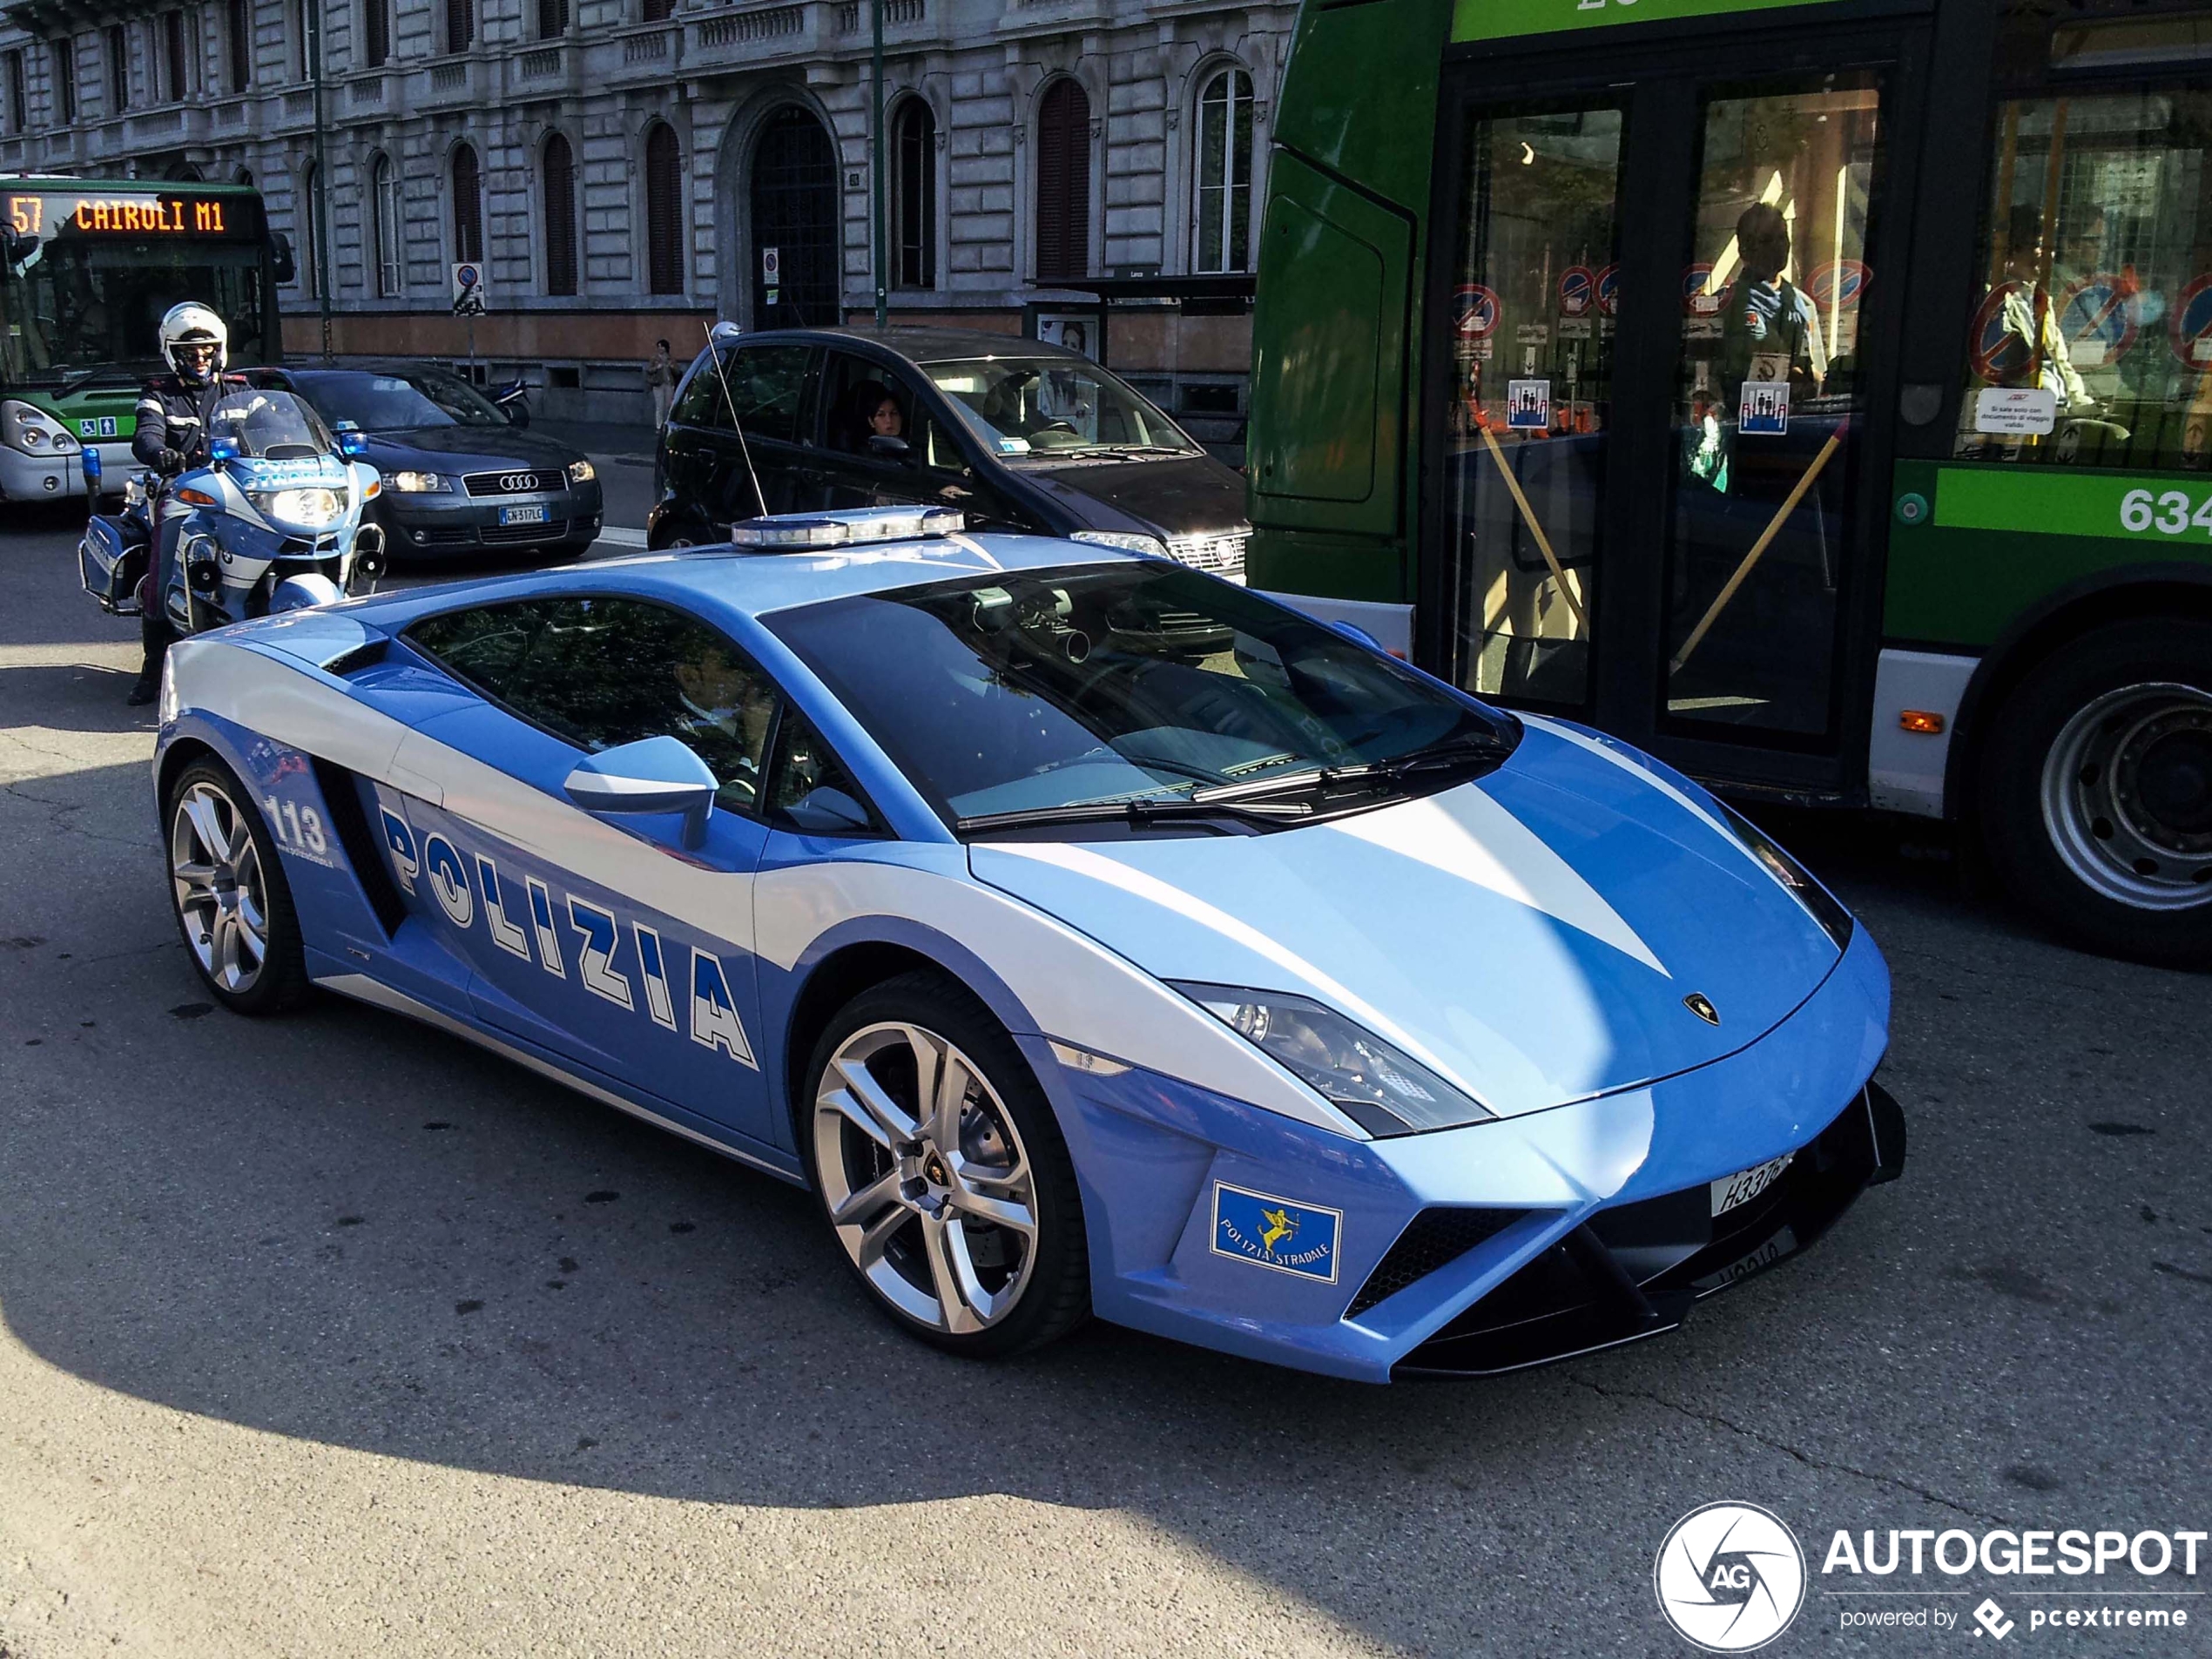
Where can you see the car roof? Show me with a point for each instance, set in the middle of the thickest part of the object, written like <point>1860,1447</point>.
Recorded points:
<point>751,585</point>
<point>920,345</point>
<point>371,366</point>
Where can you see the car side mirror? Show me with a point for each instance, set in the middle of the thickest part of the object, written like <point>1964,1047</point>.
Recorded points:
<point>882,443</point>
<point>651,775</point>
<point>825,810</point>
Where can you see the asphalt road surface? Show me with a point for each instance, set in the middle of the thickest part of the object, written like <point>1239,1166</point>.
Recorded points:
<point>333,1335</point>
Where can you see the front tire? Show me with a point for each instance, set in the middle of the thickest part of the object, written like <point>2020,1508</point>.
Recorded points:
<point>942,1171</point>
<point>227,889</point>
<point>2096,791</point>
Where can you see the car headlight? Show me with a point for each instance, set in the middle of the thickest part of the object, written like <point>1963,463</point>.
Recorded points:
<point>581,472</point>
<point>1834,919</point>
<point>309,509</point>
<point>1375,1083</point>
<point>1129,541</point>
<point>30,429</point>
<point>422,483</point>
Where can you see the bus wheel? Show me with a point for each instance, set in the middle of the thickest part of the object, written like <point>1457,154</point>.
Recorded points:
<point>2096,791</point>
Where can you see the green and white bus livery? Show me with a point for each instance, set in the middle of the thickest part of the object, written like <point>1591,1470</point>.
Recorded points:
<point>87,267</point>
<point>1817,393</point>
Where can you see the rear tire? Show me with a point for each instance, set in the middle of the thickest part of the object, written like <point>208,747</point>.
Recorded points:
<point>2095,792</point>
<point>228,890</point>
<point>956,1208</point>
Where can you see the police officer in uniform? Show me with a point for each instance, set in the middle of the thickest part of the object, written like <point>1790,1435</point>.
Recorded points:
<point>174,411</point>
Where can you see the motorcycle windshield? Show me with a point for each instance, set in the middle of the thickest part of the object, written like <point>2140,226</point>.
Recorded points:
<point>271,426</point>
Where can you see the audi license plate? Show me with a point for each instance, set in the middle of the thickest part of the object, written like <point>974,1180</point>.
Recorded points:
<point>534,514</point>
<point>1733,1190</point>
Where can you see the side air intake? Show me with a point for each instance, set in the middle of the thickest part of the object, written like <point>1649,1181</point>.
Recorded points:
<point>1434,1238</point>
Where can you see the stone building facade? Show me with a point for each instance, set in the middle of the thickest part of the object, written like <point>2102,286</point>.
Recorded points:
<point>628,169</point>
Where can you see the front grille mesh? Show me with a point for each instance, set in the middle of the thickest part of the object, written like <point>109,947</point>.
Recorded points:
<point>528,481</point>
<point>1434,1238</point>
<point>1220,555</point>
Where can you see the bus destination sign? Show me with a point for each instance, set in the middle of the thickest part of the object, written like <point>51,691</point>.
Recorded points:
<point>118,214</point>
<point>1505,19</point>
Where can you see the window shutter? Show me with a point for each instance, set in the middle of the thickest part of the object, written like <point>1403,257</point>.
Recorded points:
<point>468,206</point>
<point>664,211</point>
<point>1063,182</point>
<point>559,217</point>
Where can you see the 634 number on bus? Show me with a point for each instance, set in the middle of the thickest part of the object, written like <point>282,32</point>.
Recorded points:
<point>2171,513</point>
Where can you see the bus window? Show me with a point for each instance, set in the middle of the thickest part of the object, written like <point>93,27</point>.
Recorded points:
<point>2091,344</point>
<point>1528,399</point>
<point>1767,385</point>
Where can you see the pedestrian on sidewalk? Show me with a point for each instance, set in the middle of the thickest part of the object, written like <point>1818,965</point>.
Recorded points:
<point>661,376</point>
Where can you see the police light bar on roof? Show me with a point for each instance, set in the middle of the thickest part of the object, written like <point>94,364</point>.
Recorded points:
<point>799,532</point>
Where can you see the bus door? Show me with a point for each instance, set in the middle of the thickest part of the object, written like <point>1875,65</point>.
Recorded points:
<point>1664,382</point>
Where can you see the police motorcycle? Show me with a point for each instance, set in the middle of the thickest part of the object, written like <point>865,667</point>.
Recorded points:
<point>273,522</point>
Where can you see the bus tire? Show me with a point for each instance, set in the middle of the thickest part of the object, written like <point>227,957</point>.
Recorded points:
<point>2096,791</point>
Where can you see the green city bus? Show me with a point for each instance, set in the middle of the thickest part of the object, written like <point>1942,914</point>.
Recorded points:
<point>87,267</point>
<point>1815,392</point>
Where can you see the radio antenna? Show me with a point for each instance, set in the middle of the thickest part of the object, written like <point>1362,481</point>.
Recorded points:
<point>743,448</point>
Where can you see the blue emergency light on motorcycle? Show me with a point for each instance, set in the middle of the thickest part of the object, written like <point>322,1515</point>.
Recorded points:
<point>221,450</point>
<point>91,470</point>
<point>352,440</point>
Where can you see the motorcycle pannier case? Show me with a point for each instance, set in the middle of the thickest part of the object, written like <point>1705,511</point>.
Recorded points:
<point>112,558</point>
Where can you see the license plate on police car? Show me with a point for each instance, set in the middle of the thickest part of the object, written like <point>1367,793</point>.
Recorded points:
<point>534,514</point>
<point>1740,1188</point>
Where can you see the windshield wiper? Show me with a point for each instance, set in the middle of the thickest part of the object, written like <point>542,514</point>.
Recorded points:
<point>1468,748</point>
<point>1138,812</point>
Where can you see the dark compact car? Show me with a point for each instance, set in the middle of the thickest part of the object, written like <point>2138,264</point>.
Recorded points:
<point>1017,435</point>
<point>461,474</point>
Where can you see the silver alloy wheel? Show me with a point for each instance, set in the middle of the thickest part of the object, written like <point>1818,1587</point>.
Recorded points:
<point>2127,796</point>
<point>927,1183</point>
<point>220,892</point>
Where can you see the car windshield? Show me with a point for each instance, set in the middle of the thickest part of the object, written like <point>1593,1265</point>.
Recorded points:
<point>388,402</point>
<point>271,426</point>
<point>70,309</point>
<point>1054,405</point>
<point>1073,692</point>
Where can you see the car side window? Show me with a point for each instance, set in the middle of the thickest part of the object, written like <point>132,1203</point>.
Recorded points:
<point>600,671</point>
<point>765,384</point>
<point>810,790</point>
<point>860,400</point>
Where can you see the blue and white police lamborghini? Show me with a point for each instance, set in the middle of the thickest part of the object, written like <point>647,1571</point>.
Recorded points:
<point>1089,933</point>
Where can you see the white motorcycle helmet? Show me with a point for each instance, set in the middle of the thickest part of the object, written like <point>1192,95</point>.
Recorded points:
<point>193,325</point>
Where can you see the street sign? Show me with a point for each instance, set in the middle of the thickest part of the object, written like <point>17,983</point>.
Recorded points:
<point>1577,291</point>
<point>2098,323</point>
<point>1838,283</point>
<point>2001,353</point>
<point>2192,324</point>
<point>468,288</point>
<point>1699,297</point>
<point>1608,291</point>
<point>1475,312</point>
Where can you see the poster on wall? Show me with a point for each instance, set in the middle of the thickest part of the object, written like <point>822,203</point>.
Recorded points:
<point>1077,331</point>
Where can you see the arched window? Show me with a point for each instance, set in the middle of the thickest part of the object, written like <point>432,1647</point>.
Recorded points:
<point>913,196</point>
<point>468,206</point>
<point>461,24</point>
<point>560,216</point>
<point>1221,196</point>
<point>663,211</point>
<point>1064,181</point>
<point>385,229</point>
